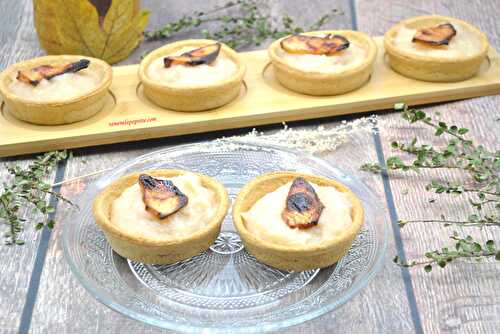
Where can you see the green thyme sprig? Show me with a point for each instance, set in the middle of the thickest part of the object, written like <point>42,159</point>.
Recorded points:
<point>27,189</point>
<point>465,248</point>
<point>250,28</point>
<point>473,220</point>
<point>482,166</point>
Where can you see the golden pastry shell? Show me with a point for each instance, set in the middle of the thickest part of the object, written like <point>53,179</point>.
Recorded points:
<point>323,83</point>
<point>432,68</point>
<point>158,251</point>
<point>288,257</point>
<point>194,98</point>
<point>56,112</point>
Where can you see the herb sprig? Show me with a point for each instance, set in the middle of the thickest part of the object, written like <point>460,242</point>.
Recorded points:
<point>482,166</point>
<point>465,248</point>
<point>27,189</point>
<point>252,27</point>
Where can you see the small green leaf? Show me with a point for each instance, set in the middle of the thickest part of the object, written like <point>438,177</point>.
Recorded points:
<point>428,268</point>
<point>51,223</point>
<point>394,163</point>
<point>476,247</point>
<point>420,115</point>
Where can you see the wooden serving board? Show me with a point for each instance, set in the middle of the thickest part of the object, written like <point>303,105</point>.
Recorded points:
<point>129,116</point>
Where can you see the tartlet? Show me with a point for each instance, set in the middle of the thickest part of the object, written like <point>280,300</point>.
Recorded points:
<point>456,59</point>
<point>323,82</point>
<point>56,110</point>
<point>291,256</point>
<point>158,248</point>
<point>192,96</point>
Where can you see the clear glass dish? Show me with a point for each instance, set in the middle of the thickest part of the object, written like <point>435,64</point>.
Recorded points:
<point>223,290</point>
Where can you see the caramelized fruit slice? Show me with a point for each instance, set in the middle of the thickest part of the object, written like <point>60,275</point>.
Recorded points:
<point>35,75</point>
<point>161,197</point>
<point>437,35</point>
<point>204,55</point>
<point>303,207</point>
<point>302,44</point>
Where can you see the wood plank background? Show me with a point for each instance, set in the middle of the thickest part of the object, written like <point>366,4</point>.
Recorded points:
<point>38,294</point>
<point>465,299</point>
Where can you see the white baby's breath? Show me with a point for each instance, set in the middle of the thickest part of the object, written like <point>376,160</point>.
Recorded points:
<point>313,140</point>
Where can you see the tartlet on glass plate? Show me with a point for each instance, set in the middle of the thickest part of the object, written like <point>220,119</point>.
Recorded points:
<point>286,224</point>
<point>435,48</point>
<point>192,75</point>
<point>329,63</point>
<point>54,90</point>
<point>161,216</point>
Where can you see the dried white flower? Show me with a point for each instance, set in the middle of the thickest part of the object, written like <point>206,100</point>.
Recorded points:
<point>316,140</point>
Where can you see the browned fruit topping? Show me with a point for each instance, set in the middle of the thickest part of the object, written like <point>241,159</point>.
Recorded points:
<point>204,55</point>
<point>161,197</point>
<point>437,35</point>
<point>35,75</point>
<point>303,44</point>
<point>303,207</point>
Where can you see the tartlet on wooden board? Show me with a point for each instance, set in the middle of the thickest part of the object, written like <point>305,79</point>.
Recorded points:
<point>192,98</point>
<point>430,67</point>
<point>56,112</point>
<point>325,83</point>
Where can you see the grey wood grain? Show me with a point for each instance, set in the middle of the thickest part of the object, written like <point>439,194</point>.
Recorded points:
<point>461,299</point>
<point>17,42</point>
<point>16,264</point>
<point>464,297</point>
<point>390,313</point>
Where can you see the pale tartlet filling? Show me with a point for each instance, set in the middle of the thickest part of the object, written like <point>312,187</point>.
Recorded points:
<point>60,88</point>
<point>128,211</point>
<point>179,75</point>
<point>264,218</point>
<point>341,61</point>
<point>465,43</point>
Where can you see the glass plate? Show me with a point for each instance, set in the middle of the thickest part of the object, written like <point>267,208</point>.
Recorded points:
<point>223,289</point>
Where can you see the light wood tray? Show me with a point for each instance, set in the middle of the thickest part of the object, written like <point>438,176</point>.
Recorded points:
<point>129,116</point>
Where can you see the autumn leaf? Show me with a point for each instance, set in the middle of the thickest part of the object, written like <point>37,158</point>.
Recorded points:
<point>106,29</point>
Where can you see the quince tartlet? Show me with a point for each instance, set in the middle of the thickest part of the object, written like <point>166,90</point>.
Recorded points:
<point>161,216</point>
<point>55,90</point>
<point>435,48</point>
<point>295,221</point>
<point>192,75</point>
<point>323,62</point>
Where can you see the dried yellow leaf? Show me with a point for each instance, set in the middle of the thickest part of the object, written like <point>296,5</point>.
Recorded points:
<point>74,27</point>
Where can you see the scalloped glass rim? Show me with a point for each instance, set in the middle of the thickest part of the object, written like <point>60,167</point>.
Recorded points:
<point>107,299</point>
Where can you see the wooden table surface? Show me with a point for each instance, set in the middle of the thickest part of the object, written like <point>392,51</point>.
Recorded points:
<point>38,293</point>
